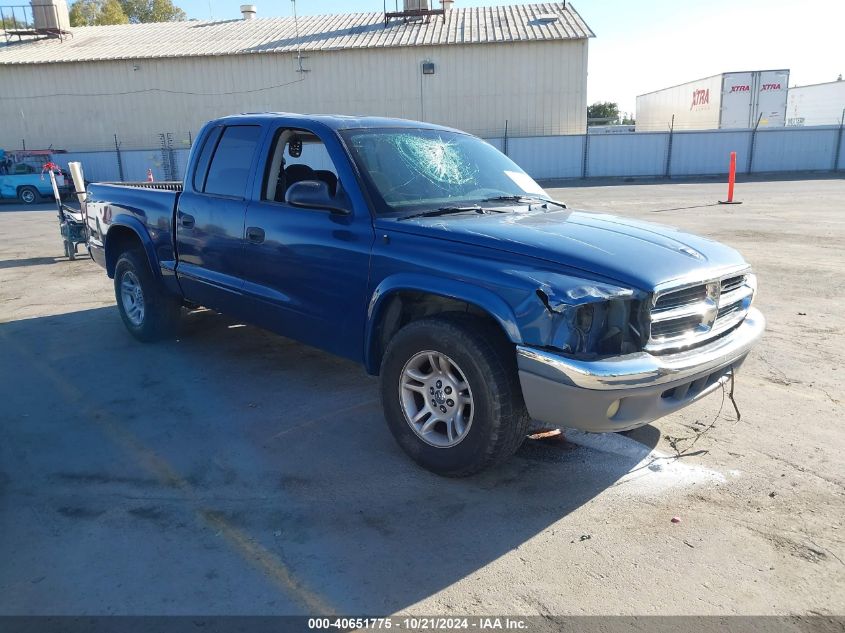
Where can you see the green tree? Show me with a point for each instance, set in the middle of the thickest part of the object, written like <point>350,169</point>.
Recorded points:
<point>603,113</point>
<point>97,13</point>
<point>100,12</point>
<point>112,13</point>
<point>152,11</point>
<point>12,23</point>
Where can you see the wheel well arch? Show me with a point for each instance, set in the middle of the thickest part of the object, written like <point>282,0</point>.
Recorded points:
<point>119,239</point>
<point>403,306</point>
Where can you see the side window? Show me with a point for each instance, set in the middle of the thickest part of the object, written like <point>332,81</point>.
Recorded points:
<point>314,154</point>
<point>297,155</point>
<point>205,158</point>
<point>229,170</point>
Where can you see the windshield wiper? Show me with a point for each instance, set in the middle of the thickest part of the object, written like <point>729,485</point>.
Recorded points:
<point>528,199</point>
<point>444,211</point>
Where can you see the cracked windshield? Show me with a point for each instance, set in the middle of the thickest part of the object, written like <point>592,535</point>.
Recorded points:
<point>421,169</point>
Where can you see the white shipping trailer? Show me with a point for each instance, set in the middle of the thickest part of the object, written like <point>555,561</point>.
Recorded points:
<point>734,100</point>
<point>819,104</point>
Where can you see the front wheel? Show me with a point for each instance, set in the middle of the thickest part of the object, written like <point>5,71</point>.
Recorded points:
<point>451,395</point>
<point>28,195</point>
<point>147,311</point>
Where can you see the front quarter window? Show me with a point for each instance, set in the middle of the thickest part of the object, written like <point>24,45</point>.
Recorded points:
<point>416,169</point>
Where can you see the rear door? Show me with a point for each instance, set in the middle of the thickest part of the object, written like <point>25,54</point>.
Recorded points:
<point>738,92</point>
<point>772,93</point>
<point>210,216</point>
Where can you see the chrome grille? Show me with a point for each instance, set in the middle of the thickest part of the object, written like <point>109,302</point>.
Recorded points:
<point>732,283</point>
<point>682,297</point>
<point>724,311</point>
<point>693,313</point>
<point>671,327</point>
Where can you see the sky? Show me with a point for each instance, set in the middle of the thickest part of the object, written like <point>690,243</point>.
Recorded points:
<point>646,45</point>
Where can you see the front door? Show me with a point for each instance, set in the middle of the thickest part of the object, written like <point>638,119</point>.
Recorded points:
<point>306,270</point>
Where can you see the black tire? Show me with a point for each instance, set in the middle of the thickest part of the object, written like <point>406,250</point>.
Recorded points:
<point>28,195</point>
<point>488,362</point>
<point>161,311</point>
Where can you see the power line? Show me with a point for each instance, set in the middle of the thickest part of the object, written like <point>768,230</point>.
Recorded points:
<point>164,90</point>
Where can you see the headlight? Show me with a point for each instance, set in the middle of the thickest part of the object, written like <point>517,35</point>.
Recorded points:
<point>580,316</point>
<point>601,327</point>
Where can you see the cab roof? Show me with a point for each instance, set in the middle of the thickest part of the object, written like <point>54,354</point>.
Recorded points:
<point>335,122</point>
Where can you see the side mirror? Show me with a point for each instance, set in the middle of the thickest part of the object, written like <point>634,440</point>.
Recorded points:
<point>314,194</point>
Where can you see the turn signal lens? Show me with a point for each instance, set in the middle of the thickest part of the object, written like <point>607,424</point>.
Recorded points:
<point>751,282</point>
<point>613,409</point>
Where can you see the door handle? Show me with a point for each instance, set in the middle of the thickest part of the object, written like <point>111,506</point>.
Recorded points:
<point>187,221</point>
<point>255,234</point>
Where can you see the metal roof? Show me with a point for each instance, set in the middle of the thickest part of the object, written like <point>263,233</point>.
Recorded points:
<point>479,25</point>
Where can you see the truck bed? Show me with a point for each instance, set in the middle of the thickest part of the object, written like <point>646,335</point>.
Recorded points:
<point>150,205</point>
<point>165,185</point>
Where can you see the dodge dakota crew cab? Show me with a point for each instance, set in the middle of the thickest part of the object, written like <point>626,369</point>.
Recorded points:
<point>432,259</point>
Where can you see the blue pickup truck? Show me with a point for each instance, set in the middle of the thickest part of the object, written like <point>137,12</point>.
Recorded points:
<point>432,259</point>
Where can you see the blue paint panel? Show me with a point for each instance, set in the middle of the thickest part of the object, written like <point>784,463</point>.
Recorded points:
<point>103,166</point>
<point>498,143</point>
<point>9,184</point>
<point>841,165</point>
<point>705,153</point>
<point>701,152</point>
<point>98,166</point>
<point>636,154</point>
<point>793,149</point>
<point>548,156</point>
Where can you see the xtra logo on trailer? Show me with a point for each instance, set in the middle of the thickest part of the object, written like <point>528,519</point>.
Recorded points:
<point>741,88</point>
<point>700,97</point>
<point>765,87</point>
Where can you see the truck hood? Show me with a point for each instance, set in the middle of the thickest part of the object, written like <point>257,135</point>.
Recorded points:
<point>639,254</point>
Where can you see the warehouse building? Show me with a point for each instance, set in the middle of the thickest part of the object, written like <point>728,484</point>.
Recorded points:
<point>477,69</point>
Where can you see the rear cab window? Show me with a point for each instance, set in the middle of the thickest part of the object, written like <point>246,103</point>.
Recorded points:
<point>204,158</point>
<point>223,167</point>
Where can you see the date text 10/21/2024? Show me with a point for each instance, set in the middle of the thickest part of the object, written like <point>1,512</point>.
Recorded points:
<point>421,623</point>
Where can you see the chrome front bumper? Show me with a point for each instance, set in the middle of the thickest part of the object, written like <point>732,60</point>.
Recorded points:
<point>582,393</point>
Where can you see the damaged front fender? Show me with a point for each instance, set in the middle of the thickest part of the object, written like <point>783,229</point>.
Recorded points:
<point>580,316</point>
<point>534,304</point>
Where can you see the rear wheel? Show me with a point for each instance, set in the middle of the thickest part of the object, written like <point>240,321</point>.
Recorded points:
<point>147,311</point>
<point>28,195</point>
<point>451,395</point>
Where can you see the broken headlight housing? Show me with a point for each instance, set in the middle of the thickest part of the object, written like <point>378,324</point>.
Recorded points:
<point>584,318</point>
<point>601,326</point>
<point>605,328</point>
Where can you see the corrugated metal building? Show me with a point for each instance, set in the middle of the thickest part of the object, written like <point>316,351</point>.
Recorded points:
<point>523,64</point>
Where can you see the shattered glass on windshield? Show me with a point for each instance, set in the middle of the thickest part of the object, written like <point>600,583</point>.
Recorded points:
<point>426,169</point>
<point>434,158</point>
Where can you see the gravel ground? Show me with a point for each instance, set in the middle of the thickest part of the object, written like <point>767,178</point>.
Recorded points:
<point>232,471</point>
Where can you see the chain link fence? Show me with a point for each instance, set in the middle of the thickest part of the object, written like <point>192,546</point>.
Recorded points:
<point>125,157</point>
<point>544,156</point>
